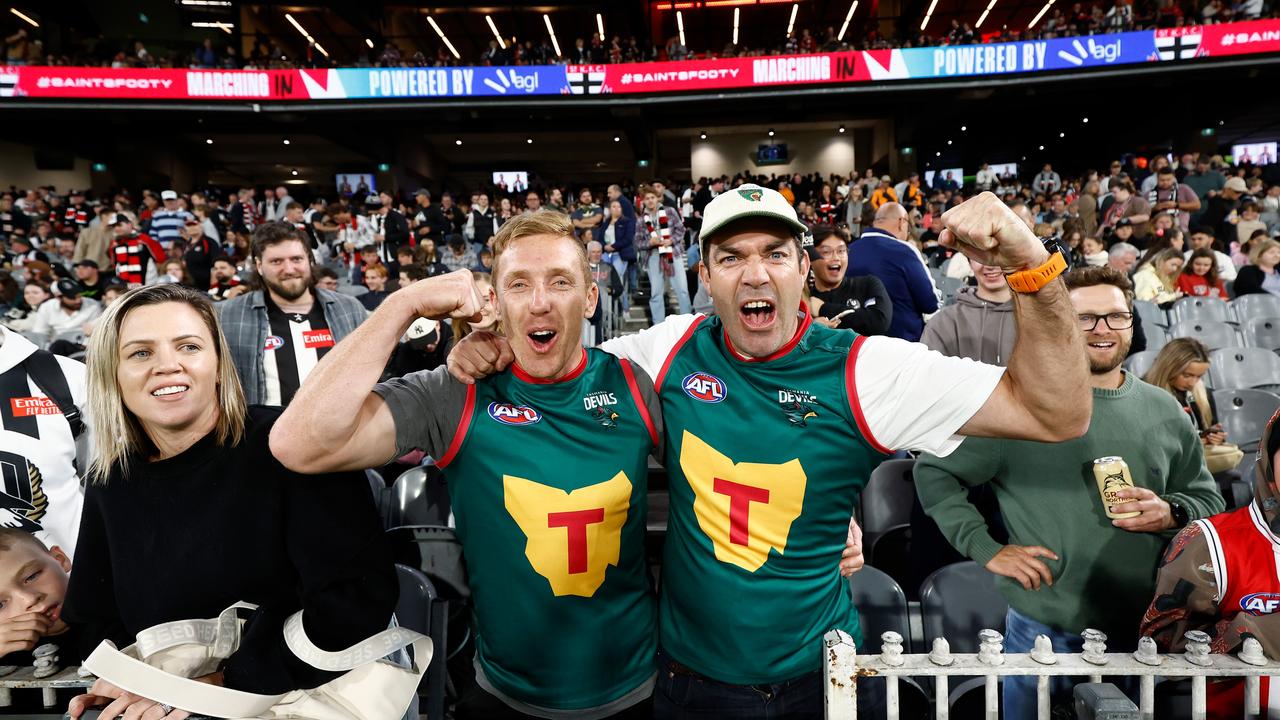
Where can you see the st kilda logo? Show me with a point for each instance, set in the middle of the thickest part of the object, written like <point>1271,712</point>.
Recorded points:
<point>705,387</point>
<point>509,414</point>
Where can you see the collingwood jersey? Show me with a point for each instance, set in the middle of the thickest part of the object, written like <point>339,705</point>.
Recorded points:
<point>295,343</point>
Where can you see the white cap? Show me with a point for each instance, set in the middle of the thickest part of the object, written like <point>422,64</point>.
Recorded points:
<point>168,195</point>
<point>749,201</point>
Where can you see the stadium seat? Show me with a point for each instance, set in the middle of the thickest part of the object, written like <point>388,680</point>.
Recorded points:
<point>419,608</point>
<point>1262,332</point>
<point>887,499</point>
<point>881,606</point>
<point>1244,367</point>
<point>1150,313</point>
<point>381,493</point>
<point>950,287</point>
<point>1140,362</point>
<point>1244,414</point>
<point>1157,337</point>
<point>1202,309</point>
<point>1254,305</point>
<point>419,497</point>
<point>353,290</point>
<point>1213,334</point>
<point>958,601</point>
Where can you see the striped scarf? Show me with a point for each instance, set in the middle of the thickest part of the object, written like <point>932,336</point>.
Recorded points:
<point>665,252</point>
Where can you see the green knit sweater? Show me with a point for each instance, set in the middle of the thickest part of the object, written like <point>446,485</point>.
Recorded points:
<point>1105,576</point>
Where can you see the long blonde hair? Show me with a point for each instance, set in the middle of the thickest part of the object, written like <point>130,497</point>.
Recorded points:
<point>1173,357</point>
<point>118,434</point>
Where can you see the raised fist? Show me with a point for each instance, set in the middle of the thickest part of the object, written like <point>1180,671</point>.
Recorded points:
<point>986,230</point>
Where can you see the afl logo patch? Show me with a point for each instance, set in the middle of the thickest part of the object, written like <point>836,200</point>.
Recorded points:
<point>704,386</point>
<point>274,342</point>
<point>1263,603</point>
<point>509,414</point>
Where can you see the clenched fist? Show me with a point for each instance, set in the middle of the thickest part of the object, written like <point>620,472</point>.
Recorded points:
<point>452,295</point>
<point>986,230</point>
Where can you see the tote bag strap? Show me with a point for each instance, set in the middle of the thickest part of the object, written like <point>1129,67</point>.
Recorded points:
<point>368,650</point>
<point>221,634</point>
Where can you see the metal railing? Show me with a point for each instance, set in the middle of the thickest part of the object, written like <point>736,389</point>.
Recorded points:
<point>844,667</point>
<point>48,685</point>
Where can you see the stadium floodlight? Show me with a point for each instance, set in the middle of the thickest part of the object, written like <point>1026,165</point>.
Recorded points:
<point>928,14</point>
<point>432,22</point>
<point>984,14</point>
<point>320,47</point>
<point>1040,14</point>
<point>206,3</point>
<point>224,27</point>
<point>24,16</point>
<point>736,15</point>
<point>702,135</point>
<point>302,30</point>
<point>791,24</point>
<point>555,44</point>
<point>847,18</point>
<point>680,26</point>
<point>501,43</point>
<point>600,25</point>
<point>368,42</point>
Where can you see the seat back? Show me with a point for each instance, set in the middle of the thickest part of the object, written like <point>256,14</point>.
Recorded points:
<point>1262,332</point>
<point>958,601</point>
<point>1157,337</point>
<point>1243,367</point>
<point>420,608</point>
<point>882,606</point>
<point>419,497</point>
<point>1244,415</point>
<point>1213,334</point>
<point>886,501</point>
<point>1202,309</point>
<point>1254,305</point>
<point>381,494</point>
<point>1150,313</point>
<point>1140,362</point>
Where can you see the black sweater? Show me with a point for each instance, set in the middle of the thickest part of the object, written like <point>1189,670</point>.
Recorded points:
<point>869,307</point>
<point>188,536</point>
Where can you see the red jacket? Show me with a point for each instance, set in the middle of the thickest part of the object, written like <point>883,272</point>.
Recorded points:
<point>1198,286</point>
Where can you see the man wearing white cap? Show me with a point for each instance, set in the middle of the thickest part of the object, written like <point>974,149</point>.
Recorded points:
<point>167,224</point>
<point>774,424</point>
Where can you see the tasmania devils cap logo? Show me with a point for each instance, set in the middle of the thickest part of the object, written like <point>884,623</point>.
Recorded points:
<point>509,414</point>
<point>705,387</point>
<point>752,195</point>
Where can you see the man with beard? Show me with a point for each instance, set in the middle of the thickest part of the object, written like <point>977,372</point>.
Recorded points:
<point>67,316</point>
<point>1065,544</point>
<point>277,334</point>
<point>224,284</point>
<point>857,303</point>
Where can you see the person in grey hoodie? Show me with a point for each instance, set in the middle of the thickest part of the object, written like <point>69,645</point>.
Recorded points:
<point>980,323</point>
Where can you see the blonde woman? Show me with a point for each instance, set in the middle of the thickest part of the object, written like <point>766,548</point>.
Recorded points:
<point>1179,369</point>
<point>187,512</point>
<point>1157,281</point>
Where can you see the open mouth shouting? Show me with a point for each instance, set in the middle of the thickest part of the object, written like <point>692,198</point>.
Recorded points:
<point>542,339</point>
<point>758,314</point>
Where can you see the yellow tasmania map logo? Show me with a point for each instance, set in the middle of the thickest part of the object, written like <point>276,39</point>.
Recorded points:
<point>572,537</point>
<point>745,508</point>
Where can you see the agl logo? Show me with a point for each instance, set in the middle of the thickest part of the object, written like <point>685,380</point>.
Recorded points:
<point>509,414</point>
<point>1263,603</point>
<point>704,386</point>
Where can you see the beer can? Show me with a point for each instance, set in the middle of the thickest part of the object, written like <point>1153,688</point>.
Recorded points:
<point>1112,474</point>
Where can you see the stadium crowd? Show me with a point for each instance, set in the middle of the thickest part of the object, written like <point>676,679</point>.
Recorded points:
<point>215,310</point>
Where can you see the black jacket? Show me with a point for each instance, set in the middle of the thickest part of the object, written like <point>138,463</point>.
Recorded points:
<point>869,307</point>
<point>1249,280</point>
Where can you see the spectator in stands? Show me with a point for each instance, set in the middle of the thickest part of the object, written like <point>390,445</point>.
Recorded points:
<point>460,255</point>
<point>91,279</point>
<point>1171,238</point>
<point>884,251</point>
<point>1199,276</point>
<point>243,213</point>
<point>545,293</point>
<point>375,278</point>
<point>22,315</point>
<point>21,251</point>
<point>33,580</point>
<point>224,284</point>
<point>1157,281</point>
<point>183,486</point>
<point>609,284</point>
<point>985,180</point>
<point>1059,553</point>
<point>1048,181</point>
<point>1210,581</point>
<point>1094,252</point>
<point>1240,251</point>
<point>980,324</point>
<point>1085,208</point>
<point>200,253</point>
<point>1261,274</point>
<point>94,240</point>
<point>1167,195</point>
<point>167,222</point>
<point>425,256</point>
<point>274,207</point>
<point>618,237</point>
<point>482,223</point>
<point>1203,239</point>
<point>389,227</point>
<point>1179,369</point>
<point>614,194</point>
<point>277,334</point>
<point>587,215</point>
<point>1205,181</point>
<point>1126,205</point>
<point>1249,222</point>
<point>174,272</point>
<point>325,278</point>
<point>838,300</point>
<point>63,320</point>
<point>532,202</point>
<point>660,230</point>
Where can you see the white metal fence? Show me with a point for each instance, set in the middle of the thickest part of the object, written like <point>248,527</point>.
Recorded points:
<point>844,667</point>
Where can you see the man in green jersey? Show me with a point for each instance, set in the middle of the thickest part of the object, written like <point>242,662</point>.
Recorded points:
<point>774,424</point>
<point>547,467</point>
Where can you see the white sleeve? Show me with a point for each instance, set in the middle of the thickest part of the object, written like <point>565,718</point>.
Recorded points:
<point>650,347</point>
<point>914,398</point>
<point>1226,268</point>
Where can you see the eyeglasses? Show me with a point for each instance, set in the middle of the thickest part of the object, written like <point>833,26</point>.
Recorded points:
<point>1115,321</point>
<point>828,253</point>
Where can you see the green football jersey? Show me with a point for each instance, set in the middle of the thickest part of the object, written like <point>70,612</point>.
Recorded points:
<point>766,459</point>
<point>548,483</point>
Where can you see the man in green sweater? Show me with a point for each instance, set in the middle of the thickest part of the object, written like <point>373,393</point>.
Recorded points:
<point>1068,566</point>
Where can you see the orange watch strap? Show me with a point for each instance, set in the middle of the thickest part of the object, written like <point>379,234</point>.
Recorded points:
<point>1032,279</point>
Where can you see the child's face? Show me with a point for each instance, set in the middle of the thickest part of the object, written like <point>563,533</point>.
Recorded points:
<point>33,580</point>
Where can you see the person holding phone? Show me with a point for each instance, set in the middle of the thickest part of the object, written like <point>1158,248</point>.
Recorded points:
<point>1179,369</point>
<point>856,303</point>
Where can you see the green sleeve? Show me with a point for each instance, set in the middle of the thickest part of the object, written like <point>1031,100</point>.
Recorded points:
<point>943,484</point>
<point>1189,482</point>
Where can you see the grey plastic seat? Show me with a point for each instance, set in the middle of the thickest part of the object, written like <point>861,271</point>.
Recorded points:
<point>886,501</point>
<point>1151,314</point>
<point>1244,414</point>
<point>1244,367</point>
<point>419,497</point>
<point>882,606</point>
<point>1262,332</point>
<point>1213,334</point>
<point>958,601</point>
<point>1157,337</point>
<point>419,608</point>
<point>1202,309</point>
<point>950,287</point>
<point>1140,362</point>
<point>1254,305</point>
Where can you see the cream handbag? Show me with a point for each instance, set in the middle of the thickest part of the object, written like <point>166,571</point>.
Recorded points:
<point>164,658</point>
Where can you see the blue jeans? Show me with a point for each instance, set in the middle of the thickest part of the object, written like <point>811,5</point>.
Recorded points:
<point>658,288</point>
<point>682,694</point>
<point>615,259</point>
<point>1020,634</point>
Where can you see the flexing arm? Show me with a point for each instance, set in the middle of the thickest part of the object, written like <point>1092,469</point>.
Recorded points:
<point>1045,394</point>
<point>336,421</point>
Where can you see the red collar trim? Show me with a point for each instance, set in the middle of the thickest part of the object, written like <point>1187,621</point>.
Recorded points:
<point>805,322</point>
<point>571,375</point>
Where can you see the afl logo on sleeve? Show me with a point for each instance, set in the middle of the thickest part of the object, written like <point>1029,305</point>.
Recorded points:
<point>274,342</point>
<point>705,387</point>
<point>1262,603</point>
<point>509,414</point>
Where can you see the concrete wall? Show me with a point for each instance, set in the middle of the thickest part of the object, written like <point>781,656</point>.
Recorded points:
<point>18,168</point>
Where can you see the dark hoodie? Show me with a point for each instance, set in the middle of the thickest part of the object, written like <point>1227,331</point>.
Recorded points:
<point>973,328</point>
